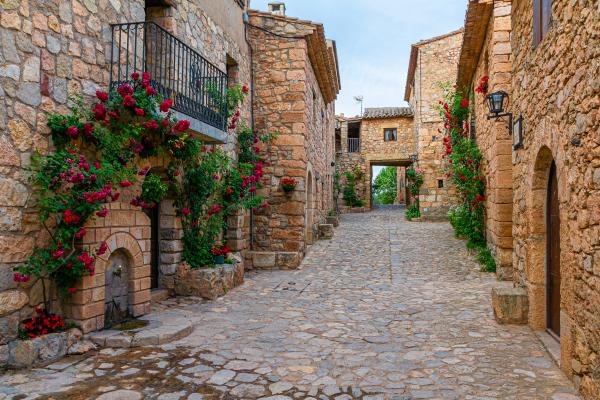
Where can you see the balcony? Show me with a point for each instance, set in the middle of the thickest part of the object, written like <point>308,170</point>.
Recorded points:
<point>196,87</point>
<point>353,145</point>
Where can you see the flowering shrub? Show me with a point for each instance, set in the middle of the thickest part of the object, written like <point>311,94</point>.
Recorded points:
<point>41,324</point>
<point>350,196</point>
<point>222,250</point>
<point>288,184</point>
<point>463,160</point>
<point>415,181</point>
<point>98,151</point>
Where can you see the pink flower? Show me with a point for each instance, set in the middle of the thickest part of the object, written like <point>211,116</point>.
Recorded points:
<point>88,129</point>
<point>128,101</point>
<point>151,125</point>
<point>102,213</point>
<point>135,76</point>
<point>150,91</point>
<point>81,233</point>
<point>139,111</point>
<point>72,290</point>
<point>70,218</point>
<point>17,277</point>
<point>185,211</point>
<point>57,253</point>
<point>115,196</point>
<point>125,89</point>
<point>166,105</point>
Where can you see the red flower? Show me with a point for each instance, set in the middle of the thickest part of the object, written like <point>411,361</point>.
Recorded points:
<point>185,211</point>
<point>82,232</point>
<point>125,89</point>
<point>245,89</point>
<point>125,183</point>
<point>139,111</point>
<point>150,91</point>
<point>165,105</point>
<point>151,125</point>
<point>463,178</point>
<point>21,278</point>
<point>128,101</point>
<point>102,96</point>
<point>88,129</point>
<point>229,191</point>
<point>70,218</point>
<point>72,131</point>
<point>115,196</point>
<point>72,290</point>
<point>135,76</point>
<point>464,103</point>
<point>102,213</point>
<point>102,249</point>
<point>57,253</point>
<point>182,125</point>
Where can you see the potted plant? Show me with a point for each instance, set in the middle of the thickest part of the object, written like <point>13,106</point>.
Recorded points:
<point>220,253</point>
<point>288,184</point>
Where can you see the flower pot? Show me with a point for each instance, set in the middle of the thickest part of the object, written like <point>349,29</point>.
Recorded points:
<point>288,189</point>
<point>219,259</point>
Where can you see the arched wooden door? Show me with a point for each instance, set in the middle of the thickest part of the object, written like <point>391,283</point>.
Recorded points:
<point>553,255</point>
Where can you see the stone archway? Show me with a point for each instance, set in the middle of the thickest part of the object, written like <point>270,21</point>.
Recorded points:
<point>536,258</point>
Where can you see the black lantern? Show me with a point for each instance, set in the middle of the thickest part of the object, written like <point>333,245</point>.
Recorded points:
<point>497,102</point>
<point>414,158</point>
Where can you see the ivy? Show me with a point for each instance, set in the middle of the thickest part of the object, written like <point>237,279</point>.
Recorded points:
<point>415,181</point>
<point>350,196</point>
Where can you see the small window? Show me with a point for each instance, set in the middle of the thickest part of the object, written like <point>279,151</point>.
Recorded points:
<point>542,18</point>
<point>440,183</point>
<point>389,135</point>
<point>434,138</point>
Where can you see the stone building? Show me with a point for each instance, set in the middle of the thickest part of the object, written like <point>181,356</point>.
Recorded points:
<point>382,137</point>
<point>556,176</point>
<point>53,50</point>
<point>486,57</point>
<point>433,62</point>
<point>545,198</point>
<point>297,80</point>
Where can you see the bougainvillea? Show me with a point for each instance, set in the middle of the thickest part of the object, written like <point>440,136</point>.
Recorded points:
<point>99,151</point>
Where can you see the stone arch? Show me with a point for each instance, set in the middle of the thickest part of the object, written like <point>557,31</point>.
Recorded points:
<point>536,260</point>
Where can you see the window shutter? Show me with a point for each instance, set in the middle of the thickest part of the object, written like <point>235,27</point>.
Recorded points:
<point>546,16</point>
<point>537,31</point>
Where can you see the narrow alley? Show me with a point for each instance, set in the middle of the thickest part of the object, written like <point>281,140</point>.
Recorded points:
<point>388,309</point>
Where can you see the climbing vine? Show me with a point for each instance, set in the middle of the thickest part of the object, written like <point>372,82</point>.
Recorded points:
<point>98,154</point>
<point>350,196</point>
<point>463,161</point>
<point>415,181</point>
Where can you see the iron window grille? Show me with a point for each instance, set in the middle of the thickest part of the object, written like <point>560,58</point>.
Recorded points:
<point>179,73</point>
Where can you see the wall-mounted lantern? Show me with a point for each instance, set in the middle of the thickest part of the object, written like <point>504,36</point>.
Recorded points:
<point>414,158</point>
<point>497,104</point>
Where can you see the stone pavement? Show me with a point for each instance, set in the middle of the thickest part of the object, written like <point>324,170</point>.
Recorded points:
<point>388,309</point>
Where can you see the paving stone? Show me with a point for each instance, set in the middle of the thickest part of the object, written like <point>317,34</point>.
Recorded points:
<point>222,377</point>
<point>120,395</point>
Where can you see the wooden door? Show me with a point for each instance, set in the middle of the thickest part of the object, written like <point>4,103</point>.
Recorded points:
<point>154,246</point>
<point>553,255</point>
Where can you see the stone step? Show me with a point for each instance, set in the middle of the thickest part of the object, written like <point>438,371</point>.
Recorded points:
<point>164,327</point>
<point>159,295</point>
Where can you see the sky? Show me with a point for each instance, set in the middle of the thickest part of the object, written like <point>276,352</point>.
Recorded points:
<point>373,40</point>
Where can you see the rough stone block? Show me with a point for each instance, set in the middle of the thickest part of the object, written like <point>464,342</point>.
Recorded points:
<point>511,305</point>
<point>263,259</point>
<point>326,231</point>
<point>335,221</point>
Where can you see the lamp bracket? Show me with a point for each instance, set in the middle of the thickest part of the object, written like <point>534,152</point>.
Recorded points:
<point>499,116</point>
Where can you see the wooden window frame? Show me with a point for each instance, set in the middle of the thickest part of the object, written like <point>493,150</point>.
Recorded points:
<point>395,132</point>
<point>542,20</point>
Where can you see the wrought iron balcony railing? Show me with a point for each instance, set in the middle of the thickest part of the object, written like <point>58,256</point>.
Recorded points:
<point>353,145</point>
<point>196,87</point>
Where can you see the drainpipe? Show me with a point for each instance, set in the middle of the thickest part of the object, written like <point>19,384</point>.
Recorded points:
<point>246,19</point>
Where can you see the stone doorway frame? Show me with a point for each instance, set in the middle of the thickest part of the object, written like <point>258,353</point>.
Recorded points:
<point>399,162</point>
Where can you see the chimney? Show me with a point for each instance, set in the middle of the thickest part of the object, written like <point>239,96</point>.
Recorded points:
<point>277,7</point>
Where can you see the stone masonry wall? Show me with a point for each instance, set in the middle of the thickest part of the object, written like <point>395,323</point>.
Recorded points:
<point>555,87</point>
<point>289,103</point>
<point>345,161</point>
<point>437,63</point>
<point>494,140</point>
<point>52,50</point>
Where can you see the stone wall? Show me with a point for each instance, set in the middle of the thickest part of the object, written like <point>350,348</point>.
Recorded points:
<point>555,88</point>
<point>435,62</point>
<point>346,161</point>
<point>493,137</point>
<point>290,102</point>
<point>53,50</point>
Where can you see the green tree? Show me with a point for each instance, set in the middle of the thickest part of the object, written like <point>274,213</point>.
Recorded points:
<point>385,186</point>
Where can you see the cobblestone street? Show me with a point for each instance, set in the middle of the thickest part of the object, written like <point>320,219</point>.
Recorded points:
<point>388,309</point>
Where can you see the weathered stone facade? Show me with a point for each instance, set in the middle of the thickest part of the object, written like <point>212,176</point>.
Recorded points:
<point>432,62</point>
<point>555,87</point>
<point>51,51</point>
<point>486,52</point>
<point>297,82</point>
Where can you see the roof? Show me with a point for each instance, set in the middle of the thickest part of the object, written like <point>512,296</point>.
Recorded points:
<point>414,52</point>
<point>321,51</point>
<point>387,112</point>
<point>477,20</point>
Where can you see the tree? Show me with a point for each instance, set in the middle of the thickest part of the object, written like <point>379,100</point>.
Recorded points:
<point>385,186</point>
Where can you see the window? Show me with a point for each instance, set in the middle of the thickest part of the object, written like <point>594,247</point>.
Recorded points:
<point>434,138</point>
<point>389,135</point>
<point>440,183</point>
<point>542,17</point>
